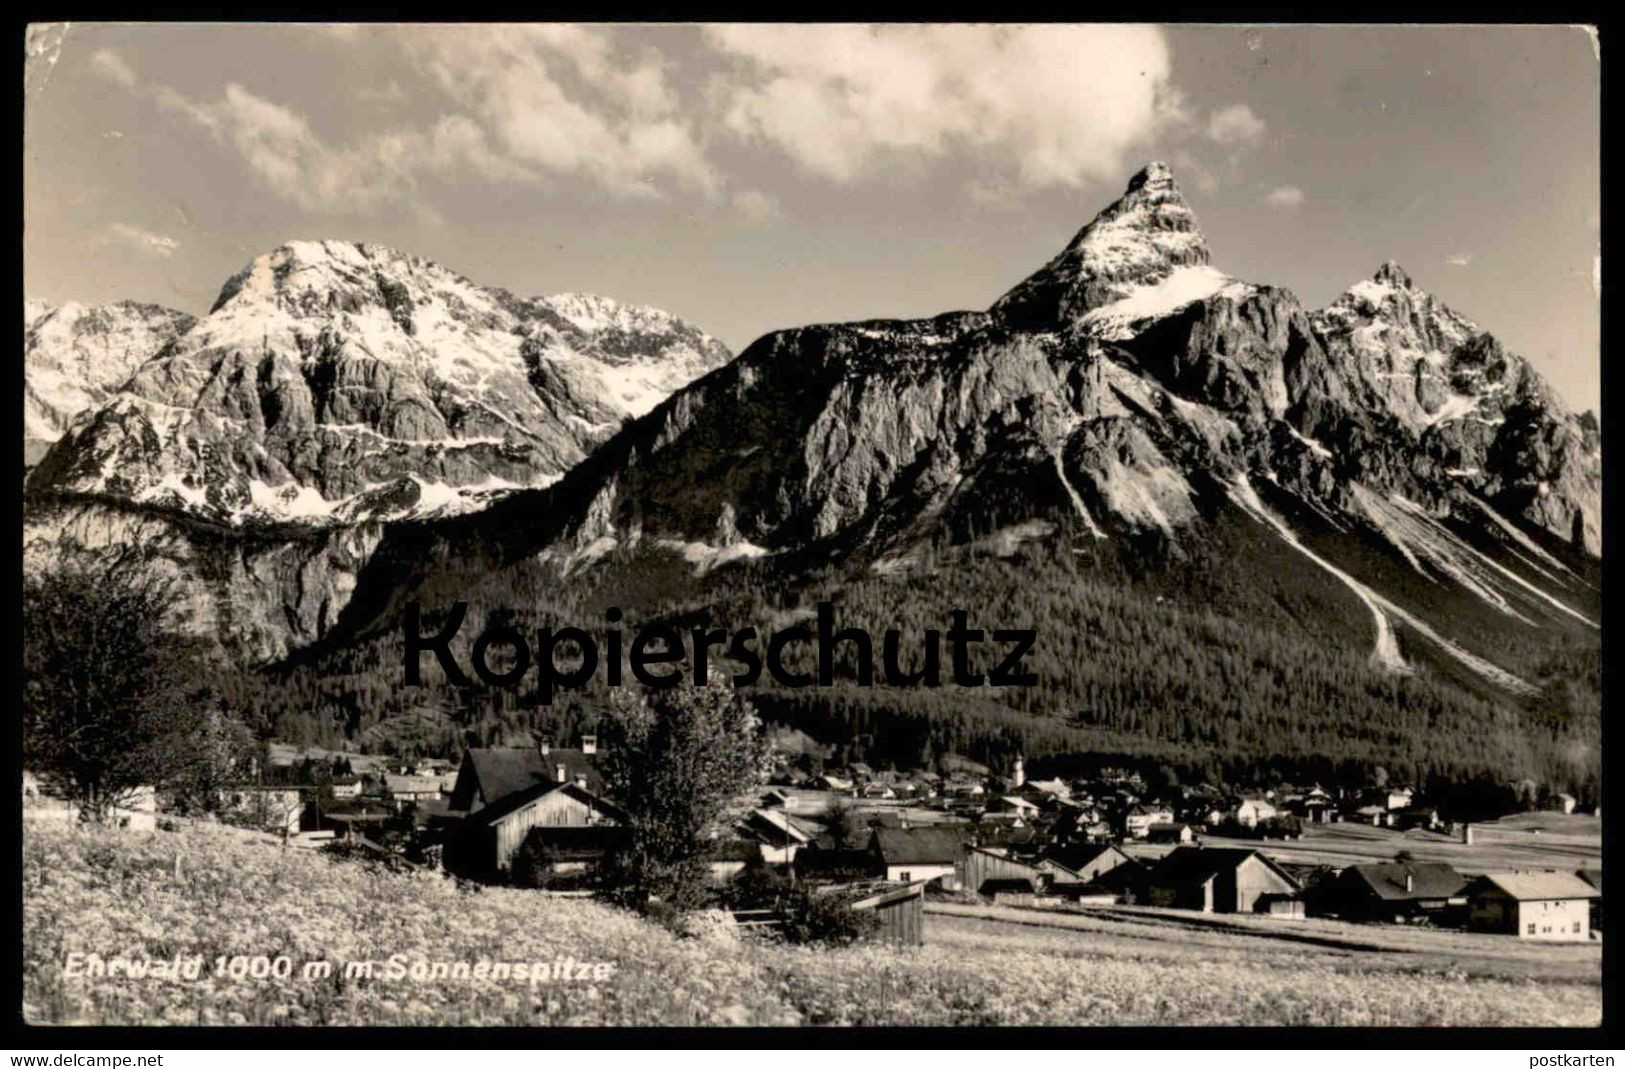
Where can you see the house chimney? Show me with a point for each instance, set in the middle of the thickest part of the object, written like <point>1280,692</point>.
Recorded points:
<point>1410,881</point>
<point>562,774</point>
<point>581,781</point>
<point>545,745</point>
<point>589,744</point>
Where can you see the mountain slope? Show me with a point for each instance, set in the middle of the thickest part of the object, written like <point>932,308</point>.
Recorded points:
<point>334,383</point>
<point>75,357</point>
<point>332,389</point>
<point>1128,402</point>
<point>1239,526</point>
<point>1481,412</point>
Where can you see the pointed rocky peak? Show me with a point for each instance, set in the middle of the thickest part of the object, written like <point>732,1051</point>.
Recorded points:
<point>1390,298</point>
<point>1390,273</point>
<point>1151,209</point>
<point>1137,242</point>
<point>1155,175</point>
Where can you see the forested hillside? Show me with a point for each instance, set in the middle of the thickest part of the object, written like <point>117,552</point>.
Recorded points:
<point>1185,666</point>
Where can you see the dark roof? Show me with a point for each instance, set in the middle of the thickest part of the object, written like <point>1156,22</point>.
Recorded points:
<point>508,770</point>
<point>919,846</point>
<point>1119,878</point>
<point>1077,857</point>
<point>1198,864</point>
<point>1172,827</point>
<point>518,800</point>
<point>1428,879</point>
<point>835,864</point>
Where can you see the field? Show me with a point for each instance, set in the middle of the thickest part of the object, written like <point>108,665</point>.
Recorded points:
<point>219,892</point>
<point>1526,841</point>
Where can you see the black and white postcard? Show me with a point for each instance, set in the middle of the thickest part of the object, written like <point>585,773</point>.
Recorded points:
<point>711,525</point>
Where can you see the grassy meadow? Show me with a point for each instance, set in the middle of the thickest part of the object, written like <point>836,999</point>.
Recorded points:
<point>221,892</point>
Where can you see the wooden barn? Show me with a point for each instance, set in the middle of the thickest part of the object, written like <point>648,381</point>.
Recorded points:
<point>901,910</point>
<point>483,845</point>
<point>1394,889</point>
<point>1218,880</point>
<point>1081,863</point>
<point>981,868</point>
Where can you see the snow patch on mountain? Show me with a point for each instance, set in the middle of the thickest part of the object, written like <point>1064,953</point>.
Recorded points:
<point>1180,288</point>
<point>76,356</point>
<point>706,557</point>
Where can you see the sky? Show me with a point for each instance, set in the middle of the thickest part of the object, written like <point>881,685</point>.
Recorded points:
<point>755,177</point>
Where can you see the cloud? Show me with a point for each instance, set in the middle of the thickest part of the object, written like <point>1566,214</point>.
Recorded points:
<point>1013,109</point>
<point>285,155</point>
<point>756,207</point>
<point>1461,259</point>
<point>1045,106</point>
<point>142,240</point>
<point>289,160</point>
<point>1236,126</point>
<point>111,65</point>
<point>1284,197</point>
<point>567,100</point>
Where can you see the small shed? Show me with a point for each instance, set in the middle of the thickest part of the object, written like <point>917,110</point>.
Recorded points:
<point>901,911</point>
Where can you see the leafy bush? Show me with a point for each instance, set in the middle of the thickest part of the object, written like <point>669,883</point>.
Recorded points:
<point>755,887</point>
<point>827,920</point>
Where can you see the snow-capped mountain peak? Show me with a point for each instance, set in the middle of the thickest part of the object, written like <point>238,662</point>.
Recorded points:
<point>1136,242</point>
<point>334,382</point>
<point>75,356</point>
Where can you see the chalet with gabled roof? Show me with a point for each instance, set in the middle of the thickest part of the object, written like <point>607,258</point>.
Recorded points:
<point>1554,906</point>
<point>1218,880</point>
<point>1393,890</point>
<point>910,854</point>
<point>484,843</point>
<point>488,775</point>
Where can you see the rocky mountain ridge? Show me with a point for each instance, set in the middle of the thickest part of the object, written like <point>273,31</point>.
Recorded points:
<point>75,357</point>
<point>1128,398</point>
<point>1131,393</point>
<point>333,389</point>
<point>334,383</point>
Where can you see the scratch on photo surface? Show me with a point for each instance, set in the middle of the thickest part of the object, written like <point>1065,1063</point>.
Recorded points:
<point>42,49</point>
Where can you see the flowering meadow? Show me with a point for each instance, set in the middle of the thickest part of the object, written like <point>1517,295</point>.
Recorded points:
<point>253,915</point>
<point>238,892</point>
